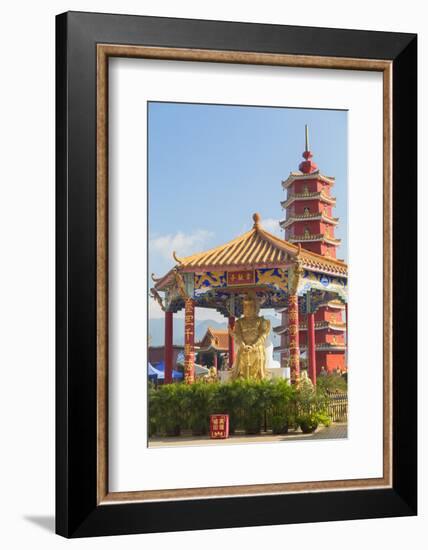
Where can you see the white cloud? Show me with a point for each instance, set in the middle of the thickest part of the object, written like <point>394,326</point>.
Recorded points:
<point>183,244</point>
<point>272,225</point>
<point>206,314</point>
<point>155,311</point>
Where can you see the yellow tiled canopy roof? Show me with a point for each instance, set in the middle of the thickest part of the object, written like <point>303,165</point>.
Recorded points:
<point>260,247</point>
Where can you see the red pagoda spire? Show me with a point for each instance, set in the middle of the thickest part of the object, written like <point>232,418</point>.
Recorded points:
<point>307,166</point>
<point>309,219</point>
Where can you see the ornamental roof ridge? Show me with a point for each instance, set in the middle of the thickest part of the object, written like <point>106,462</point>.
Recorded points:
<point>217,331</point>
<point>312,175</point>
<point>256,246</point>
<point>308,217</point>
<point>315,195</point>
<point>187,259</point>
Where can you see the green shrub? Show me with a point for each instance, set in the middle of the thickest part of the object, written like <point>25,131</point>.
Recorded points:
<point>166,408</point>
<point>227,399</point>
<point>253,395</point>
<point>280,406</point>
<point>198,405</point>
<point>332,383</point>
<point>311,408</point>
<point>279,424</point>
<point>175,407</point>
<point>309,421</point>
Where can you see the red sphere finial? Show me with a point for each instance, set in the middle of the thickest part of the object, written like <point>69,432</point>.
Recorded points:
<point>307,166</point>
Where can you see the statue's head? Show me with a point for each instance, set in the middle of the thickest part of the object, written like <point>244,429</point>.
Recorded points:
<point>251,305</point>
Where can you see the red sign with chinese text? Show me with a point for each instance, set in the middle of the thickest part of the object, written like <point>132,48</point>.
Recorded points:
<point>219,426</point>
<point>241,277</point>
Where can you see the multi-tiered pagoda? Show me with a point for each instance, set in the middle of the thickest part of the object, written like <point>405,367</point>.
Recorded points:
<point>309,222</point>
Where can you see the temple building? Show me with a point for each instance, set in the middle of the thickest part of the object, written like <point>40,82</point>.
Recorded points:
<point>213,349</point>
<point>309,222</point>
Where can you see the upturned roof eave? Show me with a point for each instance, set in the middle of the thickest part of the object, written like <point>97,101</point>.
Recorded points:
<point>310,260</point>
<point>296,176</point>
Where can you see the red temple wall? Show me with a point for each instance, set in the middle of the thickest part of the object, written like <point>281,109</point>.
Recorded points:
<point>321,337</point>
<point>330,360</point>
<point>318,247</point>
<point>314,206</point>
<point>309,185</point>
<point>326,314</point>
<point>314,227</point>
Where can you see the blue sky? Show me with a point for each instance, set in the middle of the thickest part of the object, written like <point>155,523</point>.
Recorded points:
<point>212,166</point>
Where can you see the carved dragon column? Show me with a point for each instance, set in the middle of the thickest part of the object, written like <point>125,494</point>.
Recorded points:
<point>231,354</point>
<point>312,362</point>
<point>185,288</point>
<point>293,322</point>
<point>293,334</point>
<point>168,346</point>
<point>189,340</point>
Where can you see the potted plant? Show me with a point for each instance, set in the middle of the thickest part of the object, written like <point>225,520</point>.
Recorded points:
<point>279,424</point>
<point>309,421</point>
<point>311,407</point>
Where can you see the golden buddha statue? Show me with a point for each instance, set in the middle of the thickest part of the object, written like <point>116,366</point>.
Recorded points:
<point>250,334</point>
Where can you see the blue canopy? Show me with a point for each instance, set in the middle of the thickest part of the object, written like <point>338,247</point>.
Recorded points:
<point>159,372</point>
<point>153,373</point>
<point>160,366</point>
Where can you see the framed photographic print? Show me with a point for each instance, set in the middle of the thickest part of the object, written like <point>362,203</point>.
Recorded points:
<point>236,307</point>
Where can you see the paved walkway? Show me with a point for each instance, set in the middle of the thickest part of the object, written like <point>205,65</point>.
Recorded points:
<point>335,431</point>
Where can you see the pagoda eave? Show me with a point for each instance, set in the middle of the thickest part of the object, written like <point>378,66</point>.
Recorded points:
<point>319,196</point>
<point>283,329</point>
<point>315,217</point>
<point>299,176</point>
<point>313,239</point>
<point>326,347</point>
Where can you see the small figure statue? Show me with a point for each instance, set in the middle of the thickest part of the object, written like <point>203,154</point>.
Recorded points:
<point>211,376</point>
<point>305,382</point>
<point>250,335</point>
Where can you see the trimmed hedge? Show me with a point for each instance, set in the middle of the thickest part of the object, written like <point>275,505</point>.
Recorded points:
<point>251,406</point>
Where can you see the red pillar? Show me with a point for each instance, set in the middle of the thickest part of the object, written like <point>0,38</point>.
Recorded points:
<point>231,357</point>
<point>168,357</point>
<point>312,362</point>
<point>283,339</point>
<point>215,362</point>
<point>346,321</point>
<point>293,332</point>
<point>189,341</point>
<point>346,335</point>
